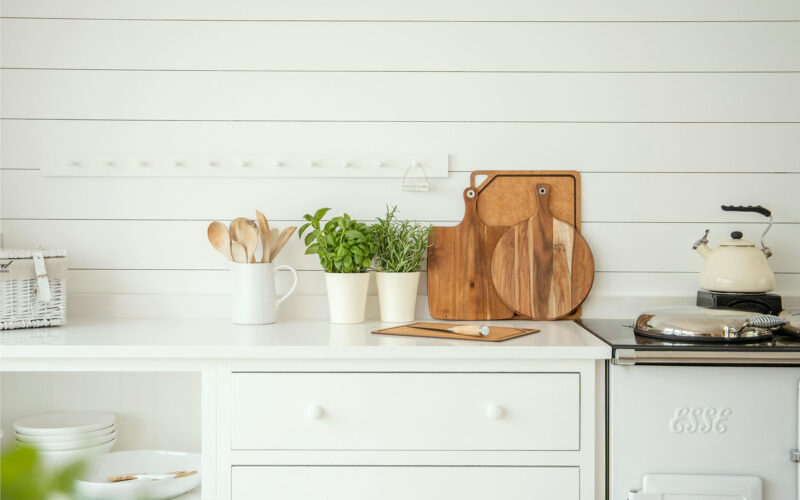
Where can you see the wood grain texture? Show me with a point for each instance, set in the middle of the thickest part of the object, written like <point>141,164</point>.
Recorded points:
<point>542,267</point>
<point>497,333</point>
<point>459,284</point>
<point>507,197</point>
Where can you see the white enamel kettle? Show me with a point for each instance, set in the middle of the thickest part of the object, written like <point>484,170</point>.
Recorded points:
<point>736,265</point>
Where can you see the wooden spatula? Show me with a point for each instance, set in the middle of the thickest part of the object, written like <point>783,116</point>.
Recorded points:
<point>264,233</point>
<point>282,240</point>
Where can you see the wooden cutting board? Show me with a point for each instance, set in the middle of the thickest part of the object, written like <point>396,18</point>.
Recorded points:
<point>496,333</point>
<point>507,197</point>
<point>542,267</point>
<point>459,262</point>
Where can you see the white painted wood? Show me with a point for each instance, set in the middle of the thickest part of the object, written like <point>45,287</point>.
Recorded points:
<point>617,247</point>
<point>147,416</point>
<point>312,282</point>
<point>682,197</point>
<point>36,43</point>
<point>503,10</point>
<point>751,97</point>
<point>248,165</point>
<point>588,147</point>
<point>427,411</point>
<point>401,483</point>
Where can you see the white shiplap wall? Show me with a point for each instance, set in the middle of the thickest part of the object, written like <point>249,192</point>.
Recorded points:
<point>668,109</point>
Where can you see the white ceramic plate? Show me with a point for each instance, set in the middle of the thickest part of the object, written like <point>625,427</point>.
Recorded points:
<point>94,484</point>
<point>73,422</point>
<point>81,444</point>
<point>25,438</point>
<point>66,457</point>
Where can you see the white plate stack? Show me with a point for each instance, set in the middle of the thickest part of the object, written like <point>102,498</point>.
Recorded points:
<point>63,438</point>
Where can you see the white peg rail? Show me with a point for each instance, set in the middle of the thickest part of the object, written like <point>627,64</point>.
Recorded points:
<point>244,165</point>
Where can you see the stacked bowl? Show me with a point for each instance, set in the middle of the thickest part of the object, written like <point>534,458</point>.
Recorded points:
<point>63,438</point>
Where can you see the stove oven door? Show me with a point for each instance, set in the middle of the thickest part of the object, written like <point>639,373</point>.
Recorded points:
<point>702,421</point>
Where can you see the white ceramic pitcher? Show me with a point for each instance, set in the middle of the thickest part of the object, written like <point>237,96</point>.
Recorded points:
<point>254,300</point>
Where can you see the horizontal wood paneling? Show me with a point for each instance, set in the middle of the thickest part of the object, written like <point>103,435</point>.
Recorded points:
<point>640,247</point>
<point>120,281</point>
<point>588,147</point>
<point>401,96</point>
<point>665,197</point>
<point>505,10</point>
<point>29,43</point>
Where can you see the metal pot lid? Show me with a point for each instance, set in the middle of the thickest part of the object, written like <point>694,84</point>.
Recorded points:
<point>710,325</point>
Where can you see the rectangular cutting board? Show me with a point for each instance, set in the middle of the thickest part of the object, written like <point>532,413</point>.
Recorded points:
<point>497,333</point>
<point>459,261</point>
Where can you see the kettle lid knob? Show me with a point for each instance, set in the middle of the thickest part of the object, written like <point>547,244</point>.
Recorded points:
<point>737,235</point>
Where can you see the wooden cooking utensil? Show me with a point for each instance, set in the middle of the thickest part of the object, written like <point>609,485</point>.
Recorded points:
<point>220,239</point>
<point>263,232</point>
<point>471,330</point>
<point>245,232</point>
<point>151,477</point>
<point>274,234</point>
<point>239,253</point>
<point>282,240</point>
<point>459,264</point>
<point>542,267</point>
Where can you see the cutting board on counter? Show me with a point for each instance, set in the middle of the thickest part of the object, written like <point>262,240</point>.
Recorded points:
<point>542,267</point>
<point>496,334</point>
<point>459,261</point>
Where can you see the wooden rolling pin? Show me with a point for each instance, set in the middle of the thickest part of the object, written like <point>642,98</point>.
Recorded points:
<point>471,330</point>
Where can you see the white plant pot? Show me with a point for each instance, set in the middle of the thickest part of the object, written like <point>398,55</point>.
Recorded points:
<point>254,301</point>
<point>347,296</point>
<point>397,295</point>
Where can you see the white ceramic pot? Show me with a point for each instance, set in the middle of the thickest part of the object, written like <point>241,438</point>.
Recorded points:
<point>397,295</point>
<point>253,300</point>
<point>347,296</point>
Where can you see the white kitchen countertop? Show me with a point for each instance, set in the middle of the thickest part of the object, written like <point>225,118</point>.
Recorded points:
<point>219,339</point>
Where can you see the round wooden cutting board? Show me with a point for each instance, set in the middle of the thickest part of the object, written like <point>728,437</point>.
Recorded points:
<point>542,267</point>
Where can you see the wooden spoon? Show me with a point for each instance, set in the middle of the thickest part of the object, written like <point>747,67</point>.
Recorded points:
<point>263,231</point>
<point>239,253</point>
<point>282,239</point>
<point>274,234</point>
<point>245,232</point>
<point>220,239</point>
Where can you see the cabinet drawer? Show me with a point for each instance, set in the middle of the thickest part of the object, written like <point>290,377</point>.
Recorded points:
<point>406,411</point>
<point>404,483</point>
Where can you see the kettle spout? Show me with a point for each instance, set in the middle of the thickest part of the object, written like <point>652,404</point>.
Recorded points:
<point>701,246</point>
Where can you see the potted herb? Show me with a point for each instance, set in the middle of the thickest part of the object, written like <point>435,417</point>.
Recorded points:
<point>345,248</point>
<point>401,248</point>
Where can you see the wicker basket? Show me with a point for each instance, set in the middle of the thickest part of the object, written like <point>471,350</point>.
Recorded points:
<point>33,288</point>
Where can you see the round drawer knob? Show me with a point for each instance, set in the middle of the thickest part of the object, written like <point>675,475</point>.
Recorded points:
<point>495,412</point>
<point>314,412</point>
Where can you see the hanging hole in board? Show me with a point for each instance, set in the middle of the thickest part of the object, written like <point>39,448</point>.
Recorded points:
<point>418,185</point>
<point>542,190</point>
<point>471,193</point>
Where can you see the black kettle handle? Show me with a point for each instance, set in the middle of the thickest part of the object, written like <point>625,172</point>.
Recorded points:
<point>756,209</point>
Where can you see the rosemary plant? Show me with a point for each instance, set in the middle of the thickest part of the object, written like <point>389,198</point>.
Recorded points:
<point>401,244</point>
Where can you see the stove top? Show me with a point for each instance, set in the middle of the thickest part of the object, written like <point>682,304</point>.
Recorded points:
<point>618,333</point>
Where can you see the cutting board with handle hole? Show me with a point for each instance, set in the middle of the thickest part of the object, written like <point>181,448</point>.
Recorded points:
<point>459,260</point>
<point>542,267</point>
<point>506,197</point>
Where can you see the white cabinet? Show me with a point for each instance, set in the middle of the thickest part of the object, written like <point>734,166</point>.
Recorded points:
<point>406,411</point>
<point>405,483</point>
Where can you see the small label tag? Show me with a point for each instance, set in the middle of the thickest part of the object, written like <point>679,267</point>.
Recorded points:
<point>42,282</point>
